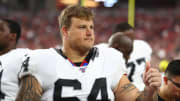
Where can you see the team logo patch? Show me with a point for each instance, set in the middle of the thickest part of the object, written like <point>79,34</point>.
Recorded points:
<point>83,69</point>
<point>83,66</point>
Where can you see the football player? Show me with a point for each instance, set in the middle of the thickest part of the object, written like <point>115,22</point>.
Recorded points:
<point>10,59</point>
<point>79,71</point>
<point>170,89</point>
<point>140,55</point>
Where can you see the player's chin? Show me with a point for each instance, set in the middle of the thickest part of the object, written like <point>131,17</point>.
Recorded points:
<point>89,43</point>
<point>88,46</point>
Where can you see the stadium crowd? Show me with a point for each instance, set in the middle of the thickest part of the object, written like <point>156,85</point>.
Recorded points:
<point>159,27</point>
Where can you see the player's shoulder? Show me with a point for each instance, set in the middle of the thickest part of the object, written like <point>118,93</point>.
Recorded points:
<point>16,53</point>
<point>38,58</point>
<point>112,57</point>
<point>21,50</point>
<point>102,45</point>
<point>108,52</point>
<point>141,42</point>
<point>40,55</point>
<point>41,52</point>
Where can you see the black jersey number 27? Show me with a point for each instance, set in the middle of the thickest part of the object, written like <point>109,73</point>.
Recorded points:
<point>99,85</point>
<point>133,67</point>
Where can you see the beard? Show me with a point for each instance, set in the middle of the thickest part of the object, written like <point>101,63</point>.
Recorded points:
<point>3,47</point>
<point>82,49</point>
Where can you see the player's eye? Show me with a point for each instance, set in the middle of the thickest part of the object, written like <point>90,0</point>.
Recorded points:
<point>176,84</point>
<point>82,27</point>
<point>92,27</point>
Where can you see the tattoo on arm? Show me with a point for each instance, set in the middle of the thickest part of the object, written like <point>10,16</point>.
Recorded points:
<point>30,89</point>
<point>127,88</point>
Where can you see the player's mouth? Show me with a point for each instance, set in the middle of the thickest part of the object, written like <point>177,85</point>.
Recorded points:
<point>88,39</point>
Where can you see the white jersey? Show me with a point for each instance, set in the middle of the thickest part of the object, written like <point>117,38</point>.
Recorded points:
<point>102,45</point>
<point>63,81</point>
<point>137,62</point>
<point>10,65</point>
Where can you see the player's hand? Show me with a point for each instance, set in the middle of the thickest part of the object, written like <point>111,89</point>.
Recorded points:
<point>152,77</point>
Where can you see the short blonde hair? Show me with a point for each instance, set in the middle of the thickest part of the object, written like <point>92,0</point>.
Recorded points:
<point>74,11</point>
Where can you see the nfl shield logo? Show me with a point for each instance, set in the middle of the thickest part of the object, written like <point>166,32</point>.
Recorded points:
<point>83,69</point>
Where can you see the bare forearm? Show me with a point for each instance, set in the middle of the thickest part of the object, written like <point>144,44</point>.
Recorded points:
<point>30,90</point>
<point>127,92</point>
<point>146,95</point>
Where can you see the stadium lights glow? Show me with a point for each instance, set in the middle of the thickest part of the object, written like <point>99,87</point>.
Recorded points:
<point>108,3</point>
<point>90,3</point>
<point>69,2</point>
<point>100,0</point>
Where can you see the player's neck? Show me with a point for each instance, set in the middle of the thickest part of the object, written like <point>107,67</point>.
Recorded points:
<point>5,51</point>
<point>164,94</point>
<point>74,55</point>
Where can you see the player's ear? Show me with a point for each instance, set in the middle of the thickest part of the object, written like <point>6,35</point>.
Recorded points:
<point>12,36</point>
<point>165,80</point>
<point>64,31</point>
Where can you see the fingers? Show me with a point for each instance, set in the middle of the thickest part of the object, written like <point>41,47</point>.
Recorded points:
<point>155,84</point>
<point>148,65</point>
<point>152,73</point>
<point>152,78</point>
<point>146,70</point>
